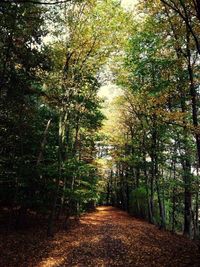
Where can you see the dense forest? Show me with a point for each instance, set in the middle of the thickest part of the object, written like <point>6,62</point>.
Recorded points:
<point>156,147</point>
<point>65,148</point>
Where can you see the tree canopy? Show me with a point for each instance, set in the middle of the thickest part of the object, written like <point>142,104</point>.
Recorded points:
<point>65,149</point>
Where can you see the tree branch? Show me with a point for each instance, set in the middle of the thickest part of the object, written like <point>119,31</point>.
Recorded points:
<point>37,2</point>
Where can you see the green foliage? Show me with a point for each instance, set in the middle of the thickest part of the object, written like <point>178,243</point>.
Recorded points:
<point>50,110</point>
<point>138,203</point>
<point>155,147</point>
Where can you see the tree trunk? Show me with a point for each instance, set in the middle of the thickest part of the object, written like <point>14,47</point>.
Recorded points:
<point>174,199</point>
<point>193,95</point>
<point>53,209</point>
<point>43,142</point>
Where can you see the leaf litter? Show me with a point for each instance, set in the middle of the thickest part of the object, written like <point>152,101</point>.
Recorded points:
<point>106,237</point>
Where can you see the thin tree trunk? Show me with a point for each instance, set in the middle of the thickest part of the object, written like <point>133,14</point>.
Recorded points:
<point>161,207</point>
<point>193,95</point>
<point>43,142</point>
<point>188,202</point>
<point>53,209</point>
<point>150,213</point>
<point>196,219</point>
<point>174,198</point>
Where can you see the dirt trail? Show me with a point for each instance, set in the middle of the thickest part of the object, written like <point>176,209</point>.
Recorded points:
<point>110,237</point>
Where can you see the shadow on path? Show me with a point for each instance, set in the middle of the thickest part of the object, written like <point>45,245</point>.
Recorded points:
<point>110,237</point>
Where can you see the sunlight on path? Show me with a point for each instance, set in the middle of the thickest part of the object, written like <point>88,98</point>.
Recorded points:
<point>110,237</point>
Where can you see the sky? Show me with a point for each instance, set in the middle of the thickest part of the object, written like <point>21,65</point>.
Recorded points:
<point>109,91</point>
<point>128,3</point>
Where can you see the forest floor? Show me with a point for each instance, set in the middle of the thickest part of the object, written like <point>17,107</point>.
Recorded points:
<point>106,237</point>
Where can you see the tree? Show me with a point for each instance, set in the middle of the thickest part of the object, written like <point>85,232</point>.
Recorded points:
<point>156,114</point>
